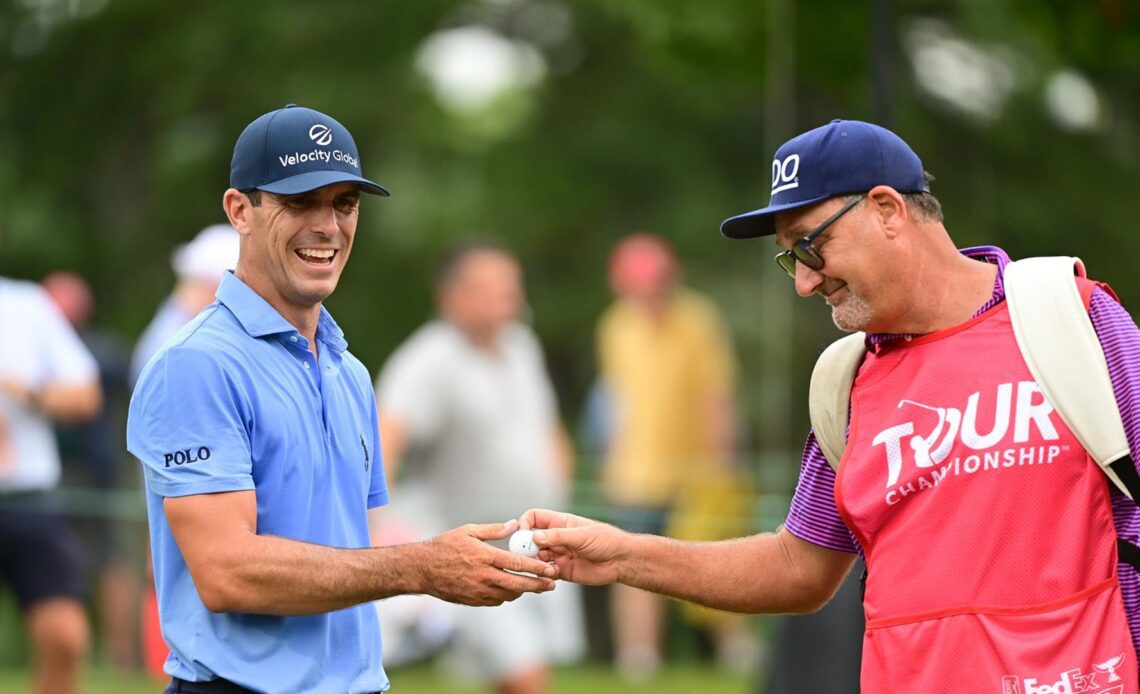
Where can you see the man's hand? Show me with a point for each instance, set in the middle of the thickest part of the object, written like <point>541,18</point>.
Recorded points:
<point>585,551</point>
<point>465,569</point>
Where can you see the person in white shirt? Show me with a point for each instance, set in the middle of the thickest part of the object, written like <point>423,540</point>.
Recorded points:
<point>199,266</point>
<point>46,376</point>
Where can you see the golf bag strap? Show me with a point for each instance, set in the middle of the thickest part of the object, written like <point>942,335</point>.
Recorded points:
<point>829,395</point>
<point>1056,338</point>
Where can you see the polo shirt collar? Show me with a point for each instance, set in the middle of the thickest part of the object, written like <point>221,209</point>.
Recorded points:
<point>330,333</point>
<point>259,319</point>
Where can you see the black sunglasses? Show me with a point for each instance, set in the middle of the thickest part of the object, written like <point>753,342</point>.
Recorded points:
<point>804,250</point>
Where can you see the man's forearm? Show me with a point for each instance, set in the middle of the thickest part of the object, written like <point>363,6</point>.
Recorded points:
<point>274,575</point>
<point>765,573</point>
<point>68,403</point>
<point>237,569</point>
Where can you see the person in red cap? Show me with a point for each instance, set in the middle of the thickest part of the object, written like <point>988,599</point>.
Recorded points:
<point>668,372</point>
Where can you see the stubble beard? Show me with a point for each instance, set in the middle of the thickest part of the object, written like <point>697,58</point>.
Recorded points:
<point>852,314</point>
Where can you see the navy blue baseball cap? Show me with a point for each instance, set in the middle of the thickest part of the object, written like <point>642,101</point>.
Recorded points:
<point>842,157</point>
<point>294,150</point>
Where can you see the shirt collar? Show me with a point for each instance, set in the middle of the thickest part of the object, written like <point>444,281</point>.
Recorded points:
<point>989,254</point>
<point>330,333</point>
<point>259,319</point>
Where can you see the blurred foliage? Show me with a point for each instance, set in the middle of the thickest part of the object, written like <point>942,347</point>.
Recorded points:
<point>117,120</point>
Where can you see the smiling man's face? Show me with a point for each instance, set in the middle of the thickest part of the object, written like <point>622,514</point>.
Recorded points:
<point>297,245</point>
<point>840,281</point>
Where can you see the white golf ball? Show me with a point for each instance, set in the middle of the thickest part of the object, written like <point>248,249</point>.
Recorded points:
<point>523,543</point>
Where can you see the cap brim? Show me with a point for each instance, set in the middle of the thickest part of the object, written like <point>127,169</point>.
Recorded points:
<point>305,182</point>
<point>761,222</point>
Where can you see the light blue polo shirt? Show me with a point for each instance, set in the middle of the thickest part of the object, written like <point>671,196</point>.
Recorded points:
<point>236,401</point>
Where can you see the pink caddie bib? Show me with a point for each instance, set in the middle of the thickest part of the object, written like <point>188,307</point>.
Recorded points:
<point>987,529</point>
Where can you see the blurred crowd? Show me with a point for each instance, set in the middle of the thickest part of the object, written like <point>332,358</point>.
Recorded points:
<point>471,431</point>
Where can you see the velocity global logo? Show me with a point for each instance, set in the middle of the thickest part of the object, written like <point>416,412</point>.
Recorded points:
<point>320,156</point>
<point>321,134</point>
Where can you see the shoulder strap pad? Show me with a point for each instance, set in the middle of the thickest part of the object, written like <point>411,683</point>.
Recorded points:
<point>1057,340</point>
<point>829,395</point>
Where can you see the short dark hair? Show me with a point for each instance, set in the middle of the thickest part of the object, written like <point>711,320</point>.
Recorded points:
<point>254,196</point>
<point>454,257</point>
<point>924,207</point>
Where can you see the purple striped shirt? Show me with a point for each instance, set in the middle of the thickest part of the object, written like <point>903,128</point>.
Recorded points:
<point>814,517</point>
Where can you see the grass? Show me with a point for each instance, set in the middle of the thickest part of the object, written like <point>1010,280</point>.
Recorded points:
<point>591,679</point>
<point>685,670</point>
<point>423,679</point>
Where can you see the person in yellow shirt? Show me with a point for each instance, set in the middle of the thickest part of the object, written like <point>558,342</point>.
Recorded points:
<point>668,371</point>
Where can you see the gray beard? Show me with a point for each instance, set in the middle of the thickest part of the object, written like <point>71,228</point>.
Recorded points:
<point>852,314</point>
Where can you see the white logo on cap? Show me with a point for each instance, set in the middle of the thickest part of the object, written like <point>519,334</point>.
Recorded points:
<point>784,173</point>
<point>321,134</point>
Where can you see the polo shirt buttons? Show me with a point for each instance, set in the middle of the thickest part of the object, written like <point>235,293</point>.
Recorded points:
<point>293,338</point>
<point>306,365</point>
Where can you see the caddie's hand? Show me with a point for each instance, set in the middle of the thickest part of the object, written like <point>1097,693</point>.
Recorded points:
<point>541,518</point>
<point>584,550</point>
<point>465,569</point>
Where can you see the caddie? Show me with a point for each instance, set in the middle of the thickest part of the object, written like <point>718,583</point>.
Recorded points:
<point>996,547</point>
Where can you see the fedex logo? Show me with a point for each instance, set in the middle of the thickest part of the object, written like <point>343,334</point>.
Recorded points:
<point>1072,681</point>
<point>1020,406</point>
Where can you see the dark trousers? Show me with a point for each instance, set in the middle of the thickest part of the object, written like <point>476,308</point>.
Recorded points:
<point>178,686</point>
<point>219,686</point>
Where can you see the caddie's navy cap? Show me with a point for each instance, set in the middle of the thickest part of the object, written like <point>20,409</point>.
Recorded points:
<point>294,150</point>
<point>842,157</point>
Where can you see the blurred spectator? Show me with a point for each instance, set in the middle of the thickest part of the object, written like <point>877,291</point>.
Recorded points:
<point>668,371</point>
<point>470,431</point>
<point>46,375</point>
<point>199,266</point>
<point>415,626</point>
<point>91,457</point>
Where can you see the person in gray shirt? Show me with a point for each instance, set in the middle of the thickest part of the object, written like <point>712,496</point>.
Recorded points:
<point>470,429</point>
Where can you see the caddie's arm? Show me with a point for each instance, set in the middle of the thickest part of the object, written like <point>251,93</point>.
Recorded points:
<point>764,573</point>
<point>1120,339</point>
<point>236,570</point>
